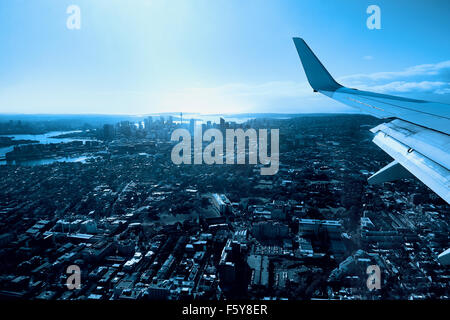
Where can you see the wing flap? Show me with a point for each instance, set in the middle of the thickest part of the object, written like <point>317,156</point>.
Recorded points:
<point>393,171</point>
<point>432,144</point>
<point>431,173</point>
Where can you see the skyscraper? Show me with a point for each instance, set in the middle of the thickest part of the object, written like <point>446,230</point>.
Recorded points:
<point>192,126</point>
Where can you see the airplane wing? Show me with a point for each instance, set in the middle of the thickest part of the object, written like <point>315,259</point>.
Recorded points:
<point>417,137</point>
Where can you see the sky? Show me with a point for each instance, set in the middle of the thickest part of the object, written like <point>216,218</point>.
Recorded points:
<point>221,56</point>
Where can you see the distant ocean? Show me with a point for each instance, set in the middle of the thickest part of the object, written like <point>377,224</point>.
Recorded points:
<point>215,118</point>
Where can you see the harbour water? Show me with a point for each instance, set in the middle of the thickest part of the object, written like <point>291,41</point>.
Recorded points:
<point>43,139</point>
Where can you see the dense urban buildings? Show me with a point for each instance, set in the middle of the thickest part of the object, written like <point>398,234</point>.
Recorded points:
<point>140,227</point>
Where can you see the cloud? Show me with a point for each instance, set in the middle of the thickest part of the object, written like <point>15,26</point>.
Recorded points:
<point>424,78</point>
<point>368,57</point>
<point>438,69</point>
<point>438,87</point>
<point>289,96</point>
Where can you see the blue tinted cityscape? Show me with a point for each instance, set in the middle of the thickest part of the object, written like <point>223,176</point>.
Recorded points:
<point>206,152</point>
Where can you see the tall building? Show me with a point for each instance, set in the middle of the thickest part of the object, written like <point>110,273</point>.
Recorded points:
<point>314,228</point>
<point>222,125</point>
<point>269,230</point>
<point>221,203</point>
<point>125,128</point>
<point>108,131</point>
<point>148,123</point>
<point>192,126</point>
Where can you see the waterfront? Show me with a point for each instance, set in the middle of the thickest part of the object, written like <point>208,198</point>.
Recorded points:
<point>39,162</point>
<point>45,138</point>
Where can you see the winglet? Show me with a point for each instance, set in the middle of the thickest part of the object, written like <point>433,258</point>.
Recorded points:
<point>318,77</point>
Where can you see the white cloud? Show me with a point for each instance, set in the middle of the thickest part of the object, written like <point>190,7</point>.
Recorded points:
<point>419,70</point>
<point>424,78</point>
<point>289,96</point>
<point>404,86</point>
